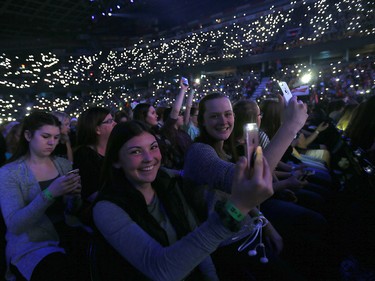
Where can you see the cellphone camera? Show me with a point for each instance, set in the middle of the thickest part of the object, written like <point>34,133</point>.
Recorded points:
<point>185,81</point>
<point>251,134</point>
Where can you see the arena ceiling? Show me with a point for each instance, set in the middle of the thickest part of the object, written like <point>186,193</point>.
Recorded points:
<point>32,25</point>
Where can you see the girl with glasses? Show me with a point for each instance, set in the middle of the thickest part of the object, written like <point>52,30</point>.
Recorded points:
<point>93,130</point>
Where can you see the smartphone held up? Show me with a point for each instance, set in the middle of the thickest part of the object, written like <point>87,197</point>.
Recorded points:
<point>251,134</point>
<point>75,171</point>
<point>185,81</point>
<point>286,91</point>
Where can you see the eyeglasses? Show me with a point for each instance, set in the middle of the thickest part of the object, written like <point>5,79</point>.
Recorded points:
<point>108,121</point>
<point>260,114</point>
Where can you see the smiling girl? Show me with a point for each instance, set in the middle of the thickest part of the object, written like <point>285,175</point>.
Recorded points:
<point>208,162</point>
<point>143,215</point>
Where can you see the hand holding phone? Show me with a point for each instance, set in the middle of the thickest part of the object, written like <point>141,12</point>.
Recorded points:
<point>286,91</point>
<point>185,81</point>
<point>75,171</point>
<point>70,183</point>
<point>251,135</point>
<point>77,181</point>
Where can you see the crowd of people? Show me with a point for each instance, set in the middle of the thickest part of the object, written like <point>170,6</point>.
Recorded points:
<point>180,193</point>
<point>340,79</point>
<point>241,36</point>
<point>194,180</point>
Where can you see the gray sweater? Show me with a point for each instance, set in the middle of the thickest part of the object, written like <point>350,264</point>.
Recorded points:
<point>204,166</point>
<point>30,235</point>
<point>152,259</point>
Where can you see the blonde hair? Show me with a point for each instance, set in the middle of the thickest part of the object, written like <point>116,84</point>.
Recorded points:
<point>61,115</point>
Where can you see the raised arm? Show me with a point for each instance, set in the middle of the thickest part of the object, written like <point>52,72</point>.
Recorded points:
<point>202,165</point>
<point>174,262</point>
<point>189,104</point>
<point>176,107</point>
<point>295,116</point>
<point>304,141</point>
<point>155,261</point>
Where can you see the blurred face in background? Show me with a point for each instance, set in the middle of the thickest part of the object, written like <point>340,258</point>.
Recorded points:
<point>152,117</point>
<point>180,120</point>
<point>106,126</point>
<point>65,126</point>
<point>123,119</point>
<point>194,118</point>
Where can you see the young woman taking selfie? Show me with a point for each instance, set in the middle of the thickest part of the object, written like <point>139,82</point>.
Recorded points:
<point>143,215</point>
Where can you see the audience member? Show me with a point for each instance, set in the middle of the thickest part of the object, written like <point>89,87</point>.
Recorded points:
<point>121,116</point>
<point>2,150</point>
<point>190,117</point>
<point>93,130</point>
<point>146,113</point>
<point>272,121</point>
<point>336,109</point>
<point>207,162</point>
<point>73,131</point>
<point>291,185</point>
<point>143,215</point>
<point>33,222</point>
<point>64,147</point>
<point>35,190</point>
<point>361,128</point>
<point>160,114</point>
<point>174,141</point>
<point>12,139</point>
<point>303,144</point>
<point>8,127</point>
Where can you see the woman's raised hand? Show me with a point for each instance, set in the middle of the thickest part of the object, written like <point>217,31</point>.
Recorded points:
<point>248,191</point>
<point>183,84</point>
<point>295,115</point>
